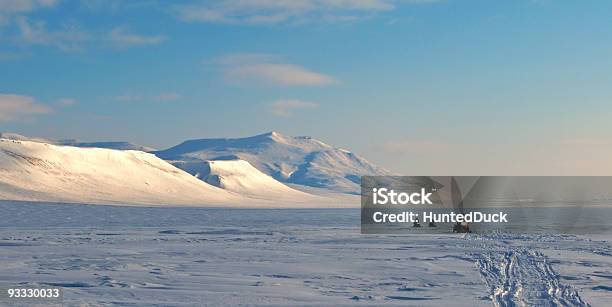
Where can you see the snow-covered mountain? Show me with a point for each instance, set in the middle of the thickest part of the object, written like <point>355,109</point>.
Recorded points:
<point>293,160</point>
<point>263,170</point>
<point>36,171</point>
<point>110,145</point>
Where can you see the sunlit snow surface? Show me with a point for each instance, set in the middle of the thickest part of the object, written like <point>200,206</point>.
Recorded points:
<point>136,256</point>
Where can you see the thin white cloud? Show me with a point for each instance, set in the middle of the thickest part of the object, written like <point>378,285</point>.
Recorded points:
<point>24,6</point>
<point>166,97</point>
<point>278,11</point>
<point>162,97</point>
<point>129,98</point>
<point>66,35</point>
<point>69,38</point>
<point>279,74</point>
<point>122,37</point>
<point>17,108</point>
<point>66,102</point>
<point>284,11</point>
<point>286,107</point>
<point>252,68</point>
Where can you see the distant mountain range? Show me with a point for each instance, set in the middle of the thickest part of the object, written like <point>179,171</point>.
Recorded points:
<point>76,143</point>
<point>263,170</point>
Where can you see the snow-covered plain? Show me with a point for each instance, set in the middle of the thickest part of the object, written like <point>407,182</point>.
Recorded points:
<point>177,256</point>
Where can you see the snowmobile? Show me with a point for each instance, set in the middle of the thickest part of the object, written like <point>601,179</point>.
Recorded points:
<point>461,228</point>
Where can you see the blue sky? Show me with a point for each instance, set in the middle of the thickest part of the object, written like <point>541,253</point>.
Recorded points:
<point>421,87</point>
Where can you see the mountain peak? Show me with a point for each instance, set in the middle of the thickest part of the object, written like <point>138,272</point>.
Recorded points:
<point>275,134</point>
<point>271,135</point>
<point>279,137</point>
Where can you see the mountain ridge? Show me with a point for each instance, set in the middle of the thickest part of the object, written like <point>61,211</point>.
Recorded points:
<point>120,145</point>
<point>301,160</point>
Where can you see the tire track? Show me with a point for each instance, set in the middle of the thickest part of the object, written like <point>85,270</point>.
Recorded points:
<point>522,277</point>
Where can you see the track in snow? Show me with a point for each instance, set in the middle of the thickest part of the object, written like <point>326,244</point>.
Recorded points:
<point>522,277</point>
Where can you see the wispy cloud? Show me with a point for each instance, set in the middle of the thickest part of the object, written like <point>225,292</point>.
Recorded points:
<point>24,6</point>
<point>120,36</point>
<point>17,108</point>
<point>281,11</point>
<point>66,102</point>
<point>66,35</point>
<point>162,97</point>
<point>286,108</point>
<point>70,38</point>
<point>279,74</point>
<point>129,98</point>
<point>166,97</point>
<point>264,68</point>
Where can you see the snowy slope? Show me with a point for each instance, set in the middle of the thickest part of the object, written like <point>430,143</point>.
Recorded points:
<point>45,172</point>
<point>240,177</point>
<point>292,160</point>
